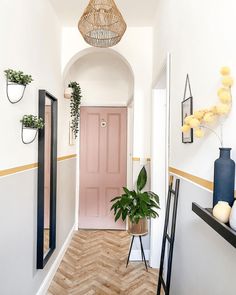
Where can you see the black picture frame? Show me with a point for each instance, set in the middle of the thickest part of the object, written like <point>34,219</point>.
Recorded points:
<point>41,258</point>
<point>187,110</point>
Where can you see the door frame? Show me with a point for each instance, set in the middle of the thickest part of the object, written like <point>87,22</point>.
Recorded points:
<point>160,98</point>
<point>129,175</point>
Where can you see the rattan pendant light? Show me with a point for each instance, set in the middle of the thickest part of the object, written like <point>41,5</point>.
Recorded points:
<point>102,24</point>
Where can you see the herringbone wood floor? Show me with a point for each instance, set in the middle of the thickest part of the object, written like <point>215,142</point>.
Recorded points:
<point>95,263</point>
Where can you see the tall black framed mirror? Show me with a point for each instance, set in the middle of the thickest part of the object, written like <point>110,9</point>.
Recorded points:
<point>47,178</point>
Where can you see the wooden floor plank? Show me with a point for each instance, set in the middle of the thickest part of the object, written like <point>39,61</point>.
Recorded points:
<point>95,264</point>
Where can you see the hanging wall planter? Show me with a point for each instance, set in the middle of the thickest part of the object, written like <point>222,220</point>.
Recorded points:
<point>75,101</point>
<point>30,126</point>
<point>68,92</point>
<point>16,82</point>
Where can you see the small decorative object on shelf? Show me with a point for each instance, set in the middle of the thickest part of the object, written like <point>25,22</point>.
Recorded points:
<point>68,92</point>
<point>224,178</point>
<point>222,229</point>
<point>232,218</point>
<point>30,126</point>
<point>16,84</point>
<point>75,102</point>
<point>221,211</point>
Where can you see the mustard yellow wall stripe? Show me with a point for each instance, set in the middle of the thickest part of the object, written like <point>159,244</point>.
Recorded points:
<point>30,166</point>
<point>198,180</point>
<point>138,159</point>
<point>18,169</point>
<point>66,157</point>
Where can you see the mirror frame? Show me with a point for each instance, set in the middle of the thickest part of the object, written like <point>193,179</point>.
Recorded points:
<point>41,259</point>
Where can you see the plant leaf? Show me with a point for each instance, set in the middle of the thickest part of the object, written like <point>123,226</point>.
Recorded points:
<point>126,191</point>
<point>116,198</point>
<point>118,215</point>
<point>142,179</point>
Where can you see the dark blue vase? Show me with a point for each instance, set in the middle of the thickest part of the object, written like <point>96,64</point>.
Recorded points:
<point>224,174</point>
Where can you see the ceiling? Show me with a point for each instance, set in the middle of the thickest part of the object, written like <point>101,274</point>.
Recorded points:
<point>135,12</point>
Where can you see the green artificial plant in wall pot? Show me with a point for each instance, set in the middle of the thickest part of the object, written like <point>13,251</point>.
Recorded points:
<point>73,92</point>
<point>30,126</point>
<point>16,82</point>
<point>137,206</point>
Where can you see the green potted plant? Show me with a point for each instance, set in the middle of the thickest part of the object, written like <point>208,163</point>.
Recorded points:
<point>16,84</point>
<point>30,126</point>
<point>75,101</point>
<point>137,205</point>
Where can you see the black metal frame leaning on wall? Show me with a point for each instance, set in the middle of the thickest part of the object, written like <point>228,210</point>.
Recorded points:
<point>41,260</point>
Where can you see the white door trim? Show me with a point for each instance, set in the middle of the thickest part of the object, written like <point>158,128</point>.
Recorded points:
<point>160,156</point>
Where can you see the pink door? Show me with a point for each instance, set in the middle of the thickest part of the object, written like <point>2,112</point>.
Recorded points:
<point>103,158</point>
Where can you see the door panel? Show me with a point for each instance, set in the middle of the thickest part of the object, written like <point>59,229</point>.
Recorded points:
<point>103,165</point>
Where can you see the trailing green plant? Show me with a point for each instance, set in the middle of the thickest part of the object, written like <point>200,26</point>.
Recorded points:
<point>136,204</point>
<point>75,102</point>
<point>18,77</point>
<point>31,121</point>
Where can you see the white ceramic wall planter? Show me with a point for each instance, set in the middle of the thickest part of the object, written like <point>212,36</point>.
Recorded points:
<point>15,92</point>
<point>28,135</point>
<point>68,92</point>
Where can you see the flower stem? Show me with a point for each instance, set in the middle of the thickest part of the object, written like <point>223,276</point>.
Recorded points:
<point>220,137</point>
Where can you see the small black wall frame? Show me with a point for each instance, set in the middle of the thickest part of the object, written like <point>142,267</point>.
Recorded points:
<point>187,110</point>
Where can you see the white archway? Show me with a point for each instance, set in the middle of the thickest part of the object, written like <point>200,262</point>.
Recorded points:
<point>104,75</point>
<point>72,72</point>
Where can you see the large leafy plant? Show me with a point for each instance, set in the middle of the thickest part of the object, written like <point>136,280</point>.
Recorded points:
<point>136,204</point>
<point>75,102</point>
<point>31,121</point>
<point>18,77</point>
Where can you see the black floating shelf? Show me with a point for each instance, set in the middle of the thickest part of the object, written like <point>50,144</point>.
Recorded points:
<point>222,229</point>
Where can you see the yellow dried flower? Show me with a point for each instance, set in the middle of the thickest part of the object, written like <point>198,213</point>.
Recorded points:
<point>223,109</point>
<point>214,110</point>
<point>185,128</point>
<point>227,81</point>
<point>199,114</point>
<point>209,117</point>
<point>199,133</point>
<point>187,119</point>
<point>225,96</point>
<point>194,123</point>
<point>225,71</point>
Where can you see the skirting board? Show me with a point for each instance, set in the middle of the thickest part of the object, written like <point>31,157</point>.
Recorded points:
<point>136,255</point>
<point>49,277</point>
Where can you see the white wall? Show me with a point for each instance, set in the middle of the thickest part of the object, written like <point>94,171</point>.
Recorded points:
<point>104,79</point>
<point>139,57</point>
<point>199,36</point>
<point>30,41</point>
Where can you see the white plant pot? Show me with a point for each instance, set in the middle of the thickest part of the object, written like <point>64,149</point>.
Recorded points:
<point>232,218</point>
<point>28,135</point>
<point>15,92</point>
<point>68,92</point>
